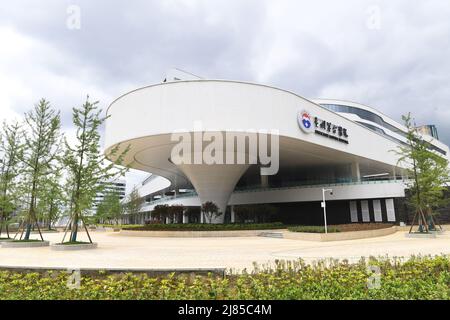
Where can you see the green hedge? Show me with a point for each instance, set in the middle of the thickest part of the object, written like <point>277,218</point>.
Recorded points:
<point>348,227</point>
<point>205,227</point>
<point>313,229</point>
<point>418,278</point>
<point>119,226</point>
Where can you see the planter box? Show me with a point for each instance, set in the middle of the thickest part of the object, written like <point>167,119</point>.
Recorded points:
<point>71,247</point>
<point>23,244</point>
<point>419,235</point>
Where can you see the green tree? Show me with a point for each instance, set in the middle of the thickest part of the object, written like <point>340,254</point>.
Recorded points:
<point>11,151</point>
<point>52,198</point>
<point>160,212</point>
<point>87,167</point>
<point>429,176</point>
<point>133,202</point>
<point>110,209</point>
<point>175,212</point>
<point>210,210</point>
<point>41,152</point>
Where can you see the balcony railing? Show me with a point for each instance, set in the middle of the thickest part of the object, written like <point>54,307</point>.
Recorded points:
<point>285,186</point>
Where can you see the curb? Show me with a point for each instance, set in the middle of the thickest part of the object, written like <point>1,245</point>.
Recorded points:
<point>72,247</point>
<point>34,244</point>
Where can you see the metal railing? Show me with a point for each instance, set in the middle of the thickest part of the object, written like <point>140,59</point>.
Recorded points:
<point>285,186</point>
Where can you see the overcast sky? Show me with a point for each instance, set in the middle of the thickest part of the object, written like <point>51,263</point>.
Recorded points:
<point>391,55</point>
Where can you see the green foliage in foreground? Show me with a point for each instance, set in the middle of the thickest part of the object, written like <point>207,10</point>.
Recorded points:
<point>206,227</point>
<point>313,229</point>
<point>417,278</point>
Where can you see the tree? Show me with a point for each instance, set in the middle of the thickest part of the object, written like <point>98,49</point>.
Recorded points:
<point>133,202</point>
<point>110,209</point>
<point>211,210</point>
<point>11,151</point>
<point>87,168</point>
<point>175,211</point>
<point>41,150</point>
<point>429,174</point>
<point>160,212</point>
<point>52,198</point>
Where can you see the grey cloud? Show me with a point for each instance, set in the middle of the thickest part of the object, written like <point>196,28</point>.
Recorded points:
<point>325,49</point>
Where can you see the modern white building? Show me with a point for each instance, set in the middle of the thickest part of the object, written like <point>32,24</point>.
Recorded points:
<point>314,144</point>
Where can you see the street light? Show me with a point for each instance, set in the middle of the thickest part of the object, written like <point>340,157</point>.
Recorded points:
<point>324,206</point>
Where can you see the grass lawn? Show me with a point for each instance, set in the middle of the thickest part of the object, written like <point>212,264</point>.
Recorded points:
<point>68,243</point>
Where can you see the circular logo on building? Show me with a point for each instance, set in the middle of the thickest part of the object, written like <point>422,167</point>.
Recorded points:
<point>305,121</point>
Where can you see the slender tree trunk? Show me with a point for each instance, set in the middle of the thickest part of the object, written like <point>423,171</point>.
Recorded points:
<point>29,223</point>
<point>74,232</point>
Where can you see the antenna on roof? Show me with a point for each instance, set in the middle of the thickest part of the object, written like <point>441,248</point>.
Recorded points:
<point>176,74</point>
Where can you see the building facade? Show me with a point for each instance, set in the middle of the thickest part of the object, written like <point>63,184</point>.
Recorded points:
<point>283,150</point>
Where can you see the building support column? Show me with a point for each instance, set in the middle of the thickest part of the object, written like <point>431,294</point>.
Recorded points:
<point>233,215</point>
<point>264,181</point>
<point>356,174</point>
<point>185,218</point>
<point>214,183</point>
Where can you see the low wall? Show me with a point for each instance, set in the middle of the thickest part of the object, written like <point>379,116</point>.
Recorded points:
<point>339,236</point>
<point>196,234</point>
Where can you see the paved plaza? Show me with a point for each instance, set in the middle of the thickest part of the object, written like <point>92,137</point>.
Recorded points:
<point>116,251</point>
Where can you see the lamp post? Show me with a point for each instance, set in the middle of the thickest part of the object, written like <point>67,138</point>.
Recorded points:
<point>324,206</point>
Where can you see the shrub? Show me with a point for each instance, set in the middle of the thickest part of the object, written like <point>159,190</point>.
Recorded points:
<point>417,278</point>
<point>205,227</point>
<point>313,229</point>
<point>341,227</point>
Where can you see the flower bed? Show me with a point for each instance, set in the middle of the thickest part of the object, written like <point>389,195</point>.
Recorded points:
<point>417,278</point>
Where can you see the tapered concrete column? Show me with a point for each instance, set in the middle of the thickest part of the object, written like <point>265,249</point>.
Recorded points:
<point>185,217</point>
<point>214,183</point>
<point>233,215</point>
<point>201,217</point>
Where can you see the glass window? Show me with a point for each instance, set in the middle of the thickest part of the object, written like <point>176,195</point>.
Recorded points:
<point>370,116</point>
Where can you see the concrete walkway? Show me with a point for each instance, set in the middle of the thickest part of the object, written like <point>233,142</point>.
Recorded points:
<point>116,251</point>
